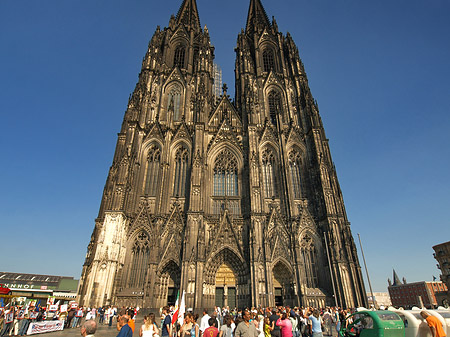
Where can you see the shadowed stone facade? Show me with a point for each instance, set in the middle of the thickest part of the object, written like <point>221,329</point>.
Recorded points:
<point>235,202</point>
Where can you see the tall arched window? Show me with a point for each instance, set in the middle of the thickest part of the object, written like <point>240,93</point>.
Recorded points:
<point>269,176</point>
<point>179,55</point>
<point>226,175</point>
<point>275,108</point>
<point>309,255</point>
<point>140,255</point>
<point>173,103</point>
<point>268,60</point>
<point>295,171</point>
<point>181,164</point>
<point>153,168</point>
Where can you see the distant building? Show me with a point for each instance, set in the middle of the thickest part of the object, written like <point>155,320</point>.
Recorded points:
<point>408,295</point>
<point>381,299</point>
<point>217,86</point>
<point>442,255</point>
<point>34,286</point>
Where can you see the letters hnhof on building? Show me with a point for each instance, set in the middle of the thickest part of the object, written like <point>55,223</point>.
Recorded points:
<point>236,202</point>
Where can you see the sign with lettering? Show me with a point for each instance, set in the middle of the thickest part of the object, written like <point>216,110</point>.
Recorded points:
<point>47,326</point>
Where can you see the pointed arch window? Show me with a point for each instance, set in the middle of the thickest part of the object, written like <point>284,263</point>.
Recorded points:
<point>295,172</point>
<point>179,56</point>
<point>140,255</point>
<point>268,60</point>
<point>274,98</point>
<point>309,254</point>
<point>226,175</point>
<point>153,170</point>
<point>181,164</point>
<point>269,175</point>
<point>173,103</point>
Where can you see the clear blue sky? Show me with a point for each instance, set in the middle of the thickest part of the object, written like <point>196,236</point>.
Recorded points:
<point>379,70</point>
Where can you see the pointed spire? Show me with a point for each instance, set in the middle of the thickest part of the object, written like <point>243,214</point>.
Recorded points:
<point>188,14</point>
<point>257,18</point>
<point>396,279</point>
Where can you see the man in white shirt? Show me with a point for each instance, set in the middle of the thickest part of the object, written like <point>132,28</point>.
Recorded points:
<point>204,321</point>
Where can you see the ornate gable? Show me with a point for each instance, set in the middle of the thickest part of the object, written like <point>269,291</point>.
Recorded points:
<point>267,36</point>
<point>225,134</point>
<point>274,224</point>
<point>180,33</point>
<point>175,75</point>
<point>155,132</point>
<point>182,132</point>
<point>268,134</point>
<point>273,78</point>
<point>277,236</point>
<point>143,221</point>
<point>225,110</point>
<point>225,235</point>
<point>174,224</point>
<point>295,136</point>
<point>171,237</point>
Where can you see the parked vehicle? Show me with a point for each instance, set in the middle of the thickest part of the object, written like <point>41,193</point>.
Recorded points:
<point>380,323</point>
<point>4,290</point>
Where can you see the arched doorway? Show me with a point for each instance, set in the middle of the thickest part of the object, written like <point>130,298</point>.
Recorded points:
<point>225,287</point>
<point>283,285</point>
<point>236,274</point>
<point>169,283</point>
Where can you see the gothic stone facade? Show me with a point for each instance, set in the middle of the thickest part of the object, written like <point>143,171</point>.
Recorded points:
<point>234,202</point>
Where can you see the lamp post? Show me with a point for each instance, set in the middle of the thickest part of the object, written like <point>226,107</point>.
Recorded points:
<point>137,293</point>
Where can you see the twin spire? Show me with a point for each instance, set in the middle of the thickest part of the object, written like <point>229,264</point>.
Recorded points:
<point>257,18</point>
<point>188,14</point>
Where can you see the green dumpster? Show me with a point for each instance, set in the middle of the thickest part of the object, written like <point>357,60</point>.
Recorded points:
<point>381,323</point>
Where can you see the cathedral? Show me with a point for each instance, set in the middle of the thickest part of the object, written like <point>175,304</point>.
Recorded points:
<point>234,202</point>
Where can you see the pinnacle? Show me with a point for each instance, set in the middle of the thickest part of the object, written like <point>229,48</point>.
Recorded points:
<point>188,14</point>
<point>257,17</point>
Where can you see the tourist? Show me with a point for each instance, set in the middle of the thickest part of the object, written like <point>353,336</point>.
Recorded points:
<point>149,328</point>
<point>131,322</point>
<point>275,330</point>
<point>226,330</point>
<point>212,330</point>
<point>434,324</point>
<point>88,328</point>
<point>260,319</point>
<point>293,318</point>
<point>204,321</point>
<point>185,330</point>
<point>125,330</point>
<point>267,327</point>
<point>315,323</point>
<point>166,329</point>
<point>246,328</point>
<point>195,330</point>
<point>285,325</point>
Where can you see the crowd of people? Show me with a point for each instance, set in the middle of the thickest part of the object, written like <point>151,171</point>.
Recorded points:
<point>221,322</point>
<point>261,322</point>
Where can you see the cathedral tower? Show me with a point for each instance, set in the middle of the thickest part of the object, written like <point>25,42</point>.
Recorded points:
<point>235,202</point>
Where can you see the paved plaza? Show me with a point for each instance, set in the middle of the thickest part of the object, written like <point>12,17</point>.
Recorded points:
<point>102,330</point>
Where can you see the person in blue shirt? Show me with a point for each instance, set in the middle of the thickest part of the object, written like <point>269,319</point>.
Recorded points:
<point>125,330</point>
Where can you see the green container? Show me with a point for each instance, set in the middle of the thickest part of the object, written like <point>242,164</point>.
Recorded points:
<point>381,323</point>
